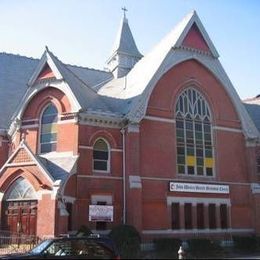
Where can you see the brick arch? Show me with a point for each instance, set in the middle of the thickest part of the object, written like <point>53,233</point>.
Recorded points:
<point>169,86</point>
<point>42,98</point>
<point>10,177</point>
<point>105,135</point>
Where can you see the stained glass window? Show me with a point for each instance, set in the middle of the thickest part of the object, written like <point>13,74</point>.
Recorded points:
<point>21,189</point>
<point>195,153</point>
<point>101,156</point>
<point>48,136</point>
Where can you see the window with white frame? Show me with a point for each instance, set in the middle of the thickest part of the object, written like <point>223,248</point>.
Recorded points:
<point>48,134</point>
<point>195,155</point>
<point>101,156</point>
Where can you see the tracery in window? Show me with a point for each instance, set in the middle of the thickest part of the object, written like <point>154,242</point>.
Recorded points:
<point>21,189</point>
<point>101,156</point>
<point>194,135</point>
<point>48,135</point>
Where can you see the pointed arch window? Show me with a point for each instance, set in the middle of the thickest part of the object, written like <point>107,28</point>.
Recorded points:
<point>195,153</point>
<point>21,189</point>
<point>101,156</point>
<point>48,134</point>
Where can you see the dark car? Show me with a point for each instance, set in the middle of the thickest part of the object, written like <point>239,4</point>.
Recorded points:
<point>71,248</point>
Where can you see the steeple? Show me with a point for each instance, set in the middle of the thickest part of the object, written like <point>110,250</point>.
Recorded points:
<point>124,53</point>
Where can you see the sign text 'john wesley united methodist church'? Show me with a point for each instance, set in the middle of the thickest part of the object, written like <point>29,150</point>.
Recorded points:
<point>195,187</point>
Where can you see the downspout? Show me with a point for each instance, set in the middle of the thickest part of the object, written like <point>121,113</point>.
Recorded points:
<point>124,164</point>
<point>124,177</point>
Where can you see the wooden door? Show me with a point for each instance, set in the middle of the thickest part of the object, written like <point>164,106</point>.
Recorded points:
<point>20,217</point>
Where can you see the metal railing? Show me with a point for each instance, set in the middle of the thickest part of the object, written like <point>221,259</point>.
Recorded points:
<point>16,243</point>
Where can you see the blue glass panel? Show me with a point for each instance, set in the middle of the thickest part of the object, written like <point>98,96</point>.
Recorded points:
<point>47,138</point>
<point>50,110</point>
<point>46,119</point>
<point>46,148</point>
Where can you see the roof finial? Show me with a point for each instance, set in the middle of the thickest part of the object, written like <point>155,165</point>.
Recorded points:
<point>124,10</point>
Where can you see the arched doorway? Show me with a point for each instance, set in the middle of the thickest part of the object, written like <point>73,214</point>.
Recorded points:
<point>19,214</point>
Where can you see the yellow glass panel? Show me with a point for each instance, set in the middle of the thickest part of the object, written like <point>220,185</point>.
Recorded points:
<point>190,160</point>
<point>208,162</point>
<point>49,128</point>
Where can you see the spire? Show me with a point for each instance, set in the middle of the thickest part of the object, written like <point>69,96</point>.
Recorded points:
<point>124,10</point>
<point>125,53</point>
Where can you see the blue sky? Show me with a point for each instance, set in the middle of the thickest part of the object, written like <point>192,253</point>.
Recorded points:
<point>82,32</point>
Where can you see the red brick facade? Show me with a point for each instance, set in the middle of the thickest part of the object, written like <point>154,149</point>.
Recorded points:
<point>142,162</point>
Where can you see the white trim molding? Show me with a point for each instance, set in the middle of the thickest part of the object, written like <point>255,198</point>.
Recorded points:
<point>99,176</point>
<point>200,231</point>
<point>1,196</point>
<point>87,147</point>
<point>133,128</point>
<point>227,129</point>
<point>160,119</point>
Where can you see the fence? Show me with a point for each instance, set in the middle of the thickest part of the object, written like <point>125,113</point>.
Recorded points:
<point>16,243</point>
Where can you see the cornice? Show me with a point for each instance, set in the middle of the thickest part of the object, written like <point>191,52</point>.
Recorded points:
<point>201,52</point>
<point>101,120</point>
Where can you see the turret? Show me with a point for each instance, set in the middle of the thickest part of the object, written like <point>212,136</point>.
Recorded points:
<point>125,53</point>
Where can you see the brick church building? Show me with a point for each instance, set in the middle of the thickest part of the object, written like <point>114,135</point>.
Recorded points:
<point>162,142</point>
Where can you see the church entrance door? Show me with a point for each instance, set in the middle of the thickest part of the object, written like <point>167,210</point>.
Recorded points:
<point>19,208</point>
<point>20,217</point>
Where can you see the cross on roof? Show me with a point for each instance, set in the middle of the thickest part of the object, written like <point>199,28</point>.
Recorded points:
<point>124,10</point>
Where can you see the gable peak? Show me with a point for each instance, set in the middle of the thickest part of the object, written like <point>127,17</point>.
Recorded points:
<point>194,39</point>
<point>195,36</point>
<point>46,68</point>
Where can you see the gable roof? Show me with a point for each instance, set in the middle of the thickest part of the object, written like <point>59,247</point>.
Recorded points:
<point>128,96</point>
<point>56,167</point>
<point>29,155</point>
<point>139,77</point>
<point>86,97</point>
<point>16,72</point>
<point>136,87</point>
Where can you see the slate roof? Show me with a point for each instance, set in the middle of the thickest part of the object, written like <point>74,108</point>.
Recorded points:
<point>139,77</point>
<point>97,91</point>
<point>16,70</point>
<point>92,77</point>
<point>133,86</point>
<point>253,108</point>
<point>125,42</point>
<point>59,166</point>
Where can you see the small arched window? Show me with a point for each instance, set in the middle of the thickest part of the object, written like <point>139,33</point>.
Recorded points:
<point>101,156</point>
<point>48,134</point>
<point>195,153</point>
